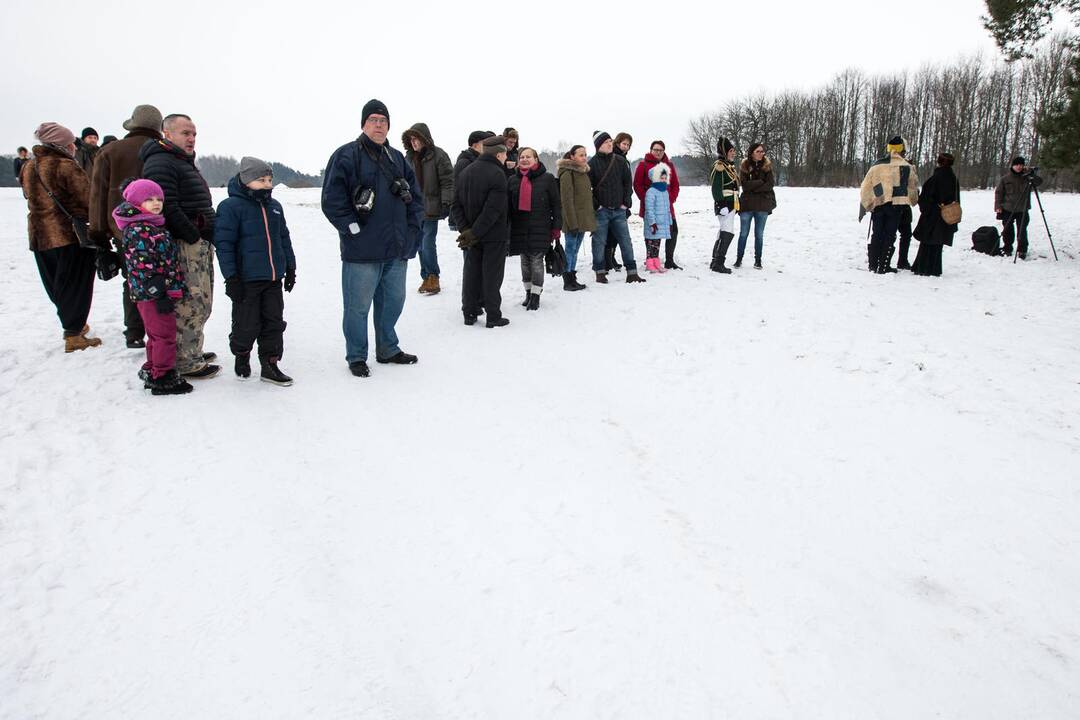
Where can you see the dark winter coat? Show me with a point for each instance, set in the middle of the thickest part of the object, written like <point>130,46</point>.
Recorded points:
<point>115,163</point>
<point>1011,193</point>
<point>531,231</point>
<point>480,202</point>
<point>251,237</point>
<point>433,171</point>
<point>391,230</point>
<point>189,209</point>
<point>757,182</point>
<point>467,157</point>
<point>575,196</point>
<point>613,187</point>
<point>512,157</point>
<point>85,155</point>
<point>53,168</point>
<point>18,166</point>
<point>940,189</point>
<point>642,181</point>
<point>149,250</point>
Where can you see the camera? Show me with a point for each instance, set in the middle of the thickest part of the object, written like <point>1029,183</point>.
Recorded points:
<point>1032,171</point>
<point>363,201</point>
<point>401,188</point>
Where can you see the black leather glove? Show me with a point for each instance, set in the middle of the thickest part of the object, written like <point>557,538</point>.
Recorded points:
<point>290,280</point>
<point>466,239</point>
<point>234,288</point>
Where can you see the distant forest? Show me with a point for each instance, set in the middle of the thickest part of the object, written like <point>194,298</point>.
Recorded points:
<point>984,113</point>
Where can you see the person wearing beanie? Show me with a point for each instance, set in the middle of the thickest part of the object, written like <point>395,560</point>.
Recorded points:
<point>890,185</point>
<point>724,181</point>
<point>255,255</point>
<point>658,154</point>
<point>613,189</point>
<point>512,143</point>
<point>757,202</point>
<point>657,216</point>
<point>86,149</point>
<point>106,140</point>
<point>480,212</point>
<point>155,280</point>
<point>435,175</point>
<point>371,196</point>
<point>189,215</point>
<point>1012,203</point>
<point>115,163</point>
<point>66,268</point>
<point>470,154</point>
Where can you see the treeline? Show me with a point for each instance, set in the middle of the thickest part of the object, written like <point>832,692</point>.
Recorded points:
<point>983,112</point>
<point>218,169</point>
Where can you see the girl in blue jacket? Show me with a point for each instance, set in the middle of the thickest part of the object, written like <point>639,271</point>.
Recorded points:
<point>657,217</point>
<point>256,258</point>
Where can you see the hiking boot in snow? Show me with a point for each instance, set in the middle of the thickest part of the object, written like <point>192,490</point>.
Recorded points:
<point>203,373</point>
<point>135,343</point>
<point>534,302</point>
<point>359,369</point>
<point>738,261</point>
<point>577,285</point>
<point>501,322</point>
<point>568,283</point>
<point>633,277</point>
<point>433,288</point>
<point>271,373</point>
<point>757,263</point>
<point>79,342</point>
<point>169,384</point>
<point>243,366</point>
<point>401,358</point>
<point>601,277</point>
<point>470,319</point>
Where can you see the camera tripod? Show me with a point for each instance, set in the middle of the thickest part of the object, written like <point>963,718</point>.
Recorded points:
<point>1031,187</point>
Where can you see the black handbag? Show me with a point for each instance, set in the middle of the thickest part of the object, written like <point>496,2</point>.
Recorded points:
<point>79,225</point>
<point>555,260</point>
<point>108,264</point>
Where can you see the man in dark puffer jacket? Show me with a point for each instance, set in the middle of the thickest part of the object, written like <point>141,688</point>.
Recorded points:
<point>189,216</point>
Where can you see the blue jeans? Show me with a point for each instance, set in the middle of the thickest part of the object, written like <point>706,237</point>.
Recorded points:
<point>429,258</point>
<point>573,244</point>
<point>758,218</point>
<point>614,222</point>
<point>361,284</point>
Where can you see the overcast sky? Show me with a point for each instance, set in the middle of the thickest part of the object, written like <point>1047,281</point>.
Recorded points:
<point>286,81</point>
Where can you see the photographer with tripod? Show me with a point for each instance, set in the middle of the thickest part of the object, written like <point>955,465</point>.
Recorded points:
<point>1012,202</point>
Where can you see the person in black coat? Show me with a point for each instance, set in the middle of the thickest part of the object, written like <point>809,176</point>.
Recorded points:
<point>535,221</point>
<point>480,211</point>
<point>932,231</point>
<point>613,188</point>
<point>20,161</point>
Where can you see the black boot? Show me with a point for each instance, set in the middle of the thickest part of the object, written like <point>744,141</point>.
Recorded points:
<point>609,258</point>
<point>243,365</point>
<point>720,253</point>
<point>169,384</point>
<point>525,302</point>
<point>271,373</point>
<point>601,277</point>
<point>669,255</point>
<point>534,302</point>
<point>568,283</point>
<point>738,261</point>
<point>578,285</point>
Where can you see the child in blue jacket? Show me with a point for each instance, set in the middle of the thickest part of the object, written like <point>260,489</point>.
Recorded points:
<point>256,258</point>
<point>657,216</point>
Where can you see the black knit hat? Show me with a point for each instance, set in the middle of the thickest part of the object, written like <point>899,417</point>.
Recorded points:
<point>1018,160</point>
<point>723,147</point>
<point>599,137</point>
<point>479,136</point>
<point>87,131</point>
<point>374,107</point>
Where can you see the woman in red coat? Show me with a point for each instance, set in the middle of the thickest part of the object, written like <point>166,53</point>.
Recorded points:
<point>658,154</point>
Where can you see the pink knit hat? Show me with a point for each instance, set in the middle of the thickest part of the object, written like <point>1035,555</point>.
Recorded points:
<point>52,133</point>
<point>139,191</point>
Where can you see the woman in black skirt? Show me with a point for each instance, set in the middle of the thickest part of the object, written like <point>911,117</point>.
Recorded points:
<point>932,231</point>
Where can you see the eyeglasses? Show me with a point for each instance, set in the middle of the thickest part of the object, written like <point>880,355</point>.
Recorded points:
<point>378,120</point>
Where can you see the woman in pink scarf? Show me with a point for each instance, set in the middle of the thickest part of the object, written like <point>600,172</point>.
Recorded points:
<point>535,221</point>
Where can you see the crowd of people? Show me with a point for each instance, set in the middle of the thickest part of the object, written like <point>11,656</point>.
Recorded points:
<point>138,205</point>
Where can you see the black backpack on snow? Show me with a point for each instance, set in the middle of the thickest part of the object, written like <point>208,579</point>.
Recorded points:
<point>986,240</point>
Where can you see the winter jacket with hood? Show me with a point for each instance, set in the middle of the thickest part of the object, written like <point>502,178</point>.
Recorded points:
<point>149,250</point>
<point>53,168</point>
<point>642,181</point>
<point>531,231</point>
<point>189,209</point>
<point>480,202</point>
<point>391,231</point>
<point>250,235</point>
<point>657,212</point>
<point>757,182</point>
<point>116,162</point>
<point>613,187</point>
<point>433,171</point>
<point>941,189</point>
<point>576,197</point>
<point>1011,193</point>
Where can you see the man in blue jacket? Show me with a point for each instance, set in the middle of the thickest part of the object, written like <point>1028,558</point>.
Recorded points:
<point>371,196</point>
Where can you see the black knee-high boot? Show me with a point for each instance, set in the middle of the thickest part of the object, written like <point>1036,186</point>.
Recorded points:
<point>720,249</point>
<point>669,254</point>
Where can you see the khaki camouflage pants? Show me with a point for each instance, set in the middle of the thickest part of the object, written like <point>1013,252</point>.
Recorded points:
<point>193,312</point>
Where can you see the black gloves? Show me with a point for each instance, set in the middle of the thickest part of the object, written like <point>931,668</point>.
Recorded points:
<point>234,288</point>
<point>108,264</point>
<point>155,290</point>
<point>290,280</point>
<point>466,239</point>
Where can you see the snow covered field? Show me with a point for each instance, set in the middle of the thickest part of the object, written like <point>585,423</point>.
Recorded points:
<point>801,492</point>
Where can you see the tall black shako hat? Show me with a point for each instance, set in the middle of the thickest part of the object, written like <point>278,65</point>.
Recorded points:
<point>723,146</point>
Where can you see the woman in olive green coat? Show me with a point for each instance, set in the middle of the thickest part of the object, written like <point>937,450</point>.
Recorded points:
<point>578,214</point>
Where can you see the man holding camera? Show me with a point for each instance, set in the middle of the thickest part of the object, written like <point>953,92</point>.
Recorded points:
<point>371,196</point>
<point>1012,201</point>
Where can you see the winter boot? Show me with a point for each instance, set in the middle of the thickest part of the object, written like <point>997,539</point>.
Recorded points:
<point>528,293</point>
<point>633,277</point>
<point>738,261</point>
<point>657,266</point>
<point>601,277</point>
<point>649,265</point>
<point>433,287</point>
<point>243,366</point>
<point>570,283</point>
<point>534,302</point>
<point>720,252</point>
<point>669,255</point>
<point>577,285</point>
<point>757,263</point>
<point>424,285</point>
<point>609,258</point>
<point>501,322</point>
<point>271,373</point>
<point>169,384</point>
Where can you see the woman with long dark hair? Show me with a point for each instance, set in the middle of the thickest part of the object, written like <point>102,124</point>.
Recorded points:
<point>757,202</point>
<point>932,231</point>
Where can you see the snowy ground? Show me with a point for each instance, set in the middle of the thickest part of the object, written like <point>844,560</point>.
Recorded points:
<point>802,492</point>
